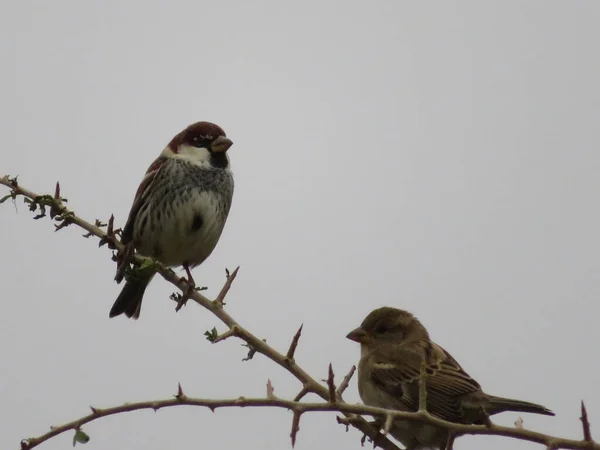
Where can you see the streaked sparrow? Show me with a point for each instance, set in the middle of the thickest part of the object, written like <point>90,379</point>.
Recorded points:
<point>393,343</point>
<point>180,208</point>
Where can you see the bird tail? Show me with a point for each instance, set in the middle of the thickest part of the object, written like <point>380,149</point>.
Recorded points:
<point>500,404</point>
<point>129,301</point>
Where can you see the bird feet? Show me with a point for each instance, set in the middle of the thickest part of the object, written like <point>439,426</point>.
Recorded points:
<point>191,287</point>
<point>123,260</point>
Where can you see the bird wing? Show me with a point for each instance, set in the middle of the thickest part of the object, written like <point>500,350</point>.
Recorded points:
<point>141,197</point>
<point>397,369</point>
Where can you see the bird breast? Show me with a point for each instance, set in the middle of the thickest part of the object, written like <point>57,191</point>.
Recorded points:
<point>186,213</point>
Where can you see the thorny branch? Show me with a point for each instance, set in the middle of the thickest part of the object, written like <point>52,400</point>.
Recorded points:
<point>299,408</point>
<point>254,344</point>
<point>332,396</point>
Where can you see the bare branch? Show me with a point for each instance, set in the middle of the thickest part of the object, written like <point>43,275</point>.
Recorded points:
<point>229,333</point>
<point>300,407</point>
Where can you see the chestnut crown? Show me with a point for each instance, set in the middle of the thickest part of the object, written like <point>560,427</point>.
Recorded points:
<point>202,135</point>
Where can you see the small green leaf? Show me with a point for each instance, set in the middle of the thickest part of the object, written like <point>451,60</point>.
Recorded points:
<point>147,264</point>
<point>211,335</point>
<point>6,197</point>
<point>80,437</point>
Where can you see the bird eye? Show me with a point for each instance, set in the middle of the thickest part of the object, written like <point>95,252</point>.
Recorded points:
<point>381,329</point>
<point>200,142</point>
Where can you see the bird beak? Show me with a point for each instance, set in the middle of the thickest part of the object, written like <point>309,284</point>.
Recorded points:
<point>221,144</point>
<point>357,335</point>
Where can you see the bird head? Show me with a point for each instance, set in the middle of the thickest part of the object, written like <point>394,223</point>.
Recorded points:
<point>388,326</point>
<point>201,143</point>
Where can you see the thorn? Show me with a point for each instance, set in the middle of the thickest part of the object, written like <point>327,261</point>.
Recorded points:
<point>57,191</point>
<point>270,390</point>
<point>346,381</point>
<point>180,394</point>
<point>331,385</point>
<point>94,410</point>
<point>110,227</point>
<point>295,427</point>
<point>587,434</point>
<point>292,350</point>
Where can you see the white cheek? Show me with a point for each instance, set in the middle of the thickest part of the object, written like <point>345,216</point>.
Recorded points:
<point>364,350</point>
<point>189,153</point>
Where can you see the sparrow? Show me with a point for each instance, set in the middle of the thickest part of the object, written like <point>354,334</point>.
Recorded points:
<point>179,209</point>
<point>393,345</point>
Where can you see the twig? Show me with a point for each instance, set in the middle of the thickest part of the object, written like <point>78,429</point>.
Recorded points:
<point>227,334</point>
<point>346,381</point>
<point>301,394</point>
<point>230,277</point>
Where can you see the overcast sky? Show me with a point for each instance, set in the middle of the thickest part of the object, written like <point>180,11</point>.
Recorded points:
<point>440,157</point>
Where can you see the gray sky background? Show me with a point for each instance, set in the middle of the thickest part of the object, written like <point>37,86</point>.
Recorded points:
<point>441,157</point>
